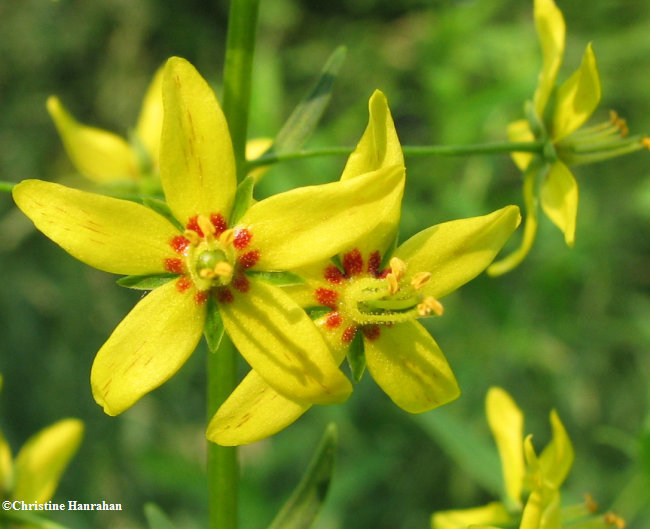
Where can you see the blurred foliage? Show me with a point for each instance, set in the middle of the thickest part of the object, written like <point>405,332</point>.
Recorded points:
<point>568,329</point>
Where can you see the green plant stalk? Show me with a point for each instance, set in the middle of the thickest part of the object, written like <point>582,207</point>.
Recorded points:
<point>30,519</point>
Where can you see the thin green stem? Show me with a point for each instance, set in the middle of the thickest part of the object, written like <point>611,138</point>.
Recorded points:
<point>240,45</point>
<point>409,150</point>
<point>6,187</point>
<point>33,520</point>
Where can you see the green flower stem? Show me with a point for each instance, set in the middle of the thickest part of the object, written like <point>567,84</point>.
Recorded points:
<point>27,518</point>
<point>6,187</point>
<point>409,150</point>
<point>240,45</point>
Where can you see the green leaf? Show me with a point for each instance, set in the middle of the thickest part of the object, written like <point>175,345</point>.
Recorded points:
<point>300,510</point>
<point>305,117</point>
<point>317,311</point>
<point>156,518</point>
<point>243,199</point>
<point>214,328</point>
<point>279,279</point>
<point>356,357</point>
<point>146,282</point>
<point>161,207</point>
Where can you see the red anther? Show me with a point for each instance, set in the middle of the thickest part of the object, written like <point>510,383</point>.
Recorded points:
<point>179,243</point>
<point>193,224</point>
<point>333,275</point>
<point>219,223</point>
<point>349,334</point>
<point>242,238</point>
<point>240,282</point>
<point>374,262</point>
<point>183,284</point>
<point>353,263</point>
<point>174,265</point>
<point>326,297</point>
<point>201,297</point>
<point>333,319</point>
<point>224,295</point>
<point>248,259</point>
<point>371,332</point>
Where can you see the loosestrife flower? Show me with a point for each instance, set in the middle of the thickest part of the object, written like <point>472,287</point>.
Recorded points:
<point>365,301</point>
<point>525,472</point>
<point>35,472</point>
<point>212,257</point>
<point>556,116</point>
<point>105,157</point>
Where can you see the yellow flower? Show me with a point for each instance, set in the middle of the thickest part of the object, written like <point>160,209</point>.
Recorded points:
<point>542,476</point>
<point>209,257</point>
<point>105,157</point>
<point>379,305</point>
<point>555,116</point>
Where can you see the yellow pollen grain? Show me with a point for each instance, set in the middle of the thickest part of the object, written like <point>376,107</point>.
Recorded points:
<point>420,279</point>
<point>393,284</point>
<point>191,236</point>
<point>227,237</point>
<point>222,269</point>
<point>206,226</point>
<point>397,267</point>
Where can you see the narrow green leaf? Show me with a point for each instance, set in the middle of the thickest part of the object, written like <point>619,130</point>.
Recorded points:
<point>147,282</point>
<point>280,279</point>
<point>356,357</point>
<point>243,199</point>
<point>317,312</point>
<point>161,207</point>
<point>156,518</point>
<point>214,328</point>
<point>300,510</point>
<point>306,115</point>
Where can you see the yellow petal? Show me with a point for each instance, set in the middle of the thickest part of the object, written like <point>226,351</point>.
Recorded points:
<point>530,229</point>
<point>282,344</point>
<point>197,165</point>
<point>551,31</point>
<point>507,424</point>
<point>577,98</point>
<point>253,412</point>
<point>492,513</point>
<point>97,154</point>
<point>149,126</point>
<point>309,224</point>
<point>531,517</point>
<point>457,251</point>
<point>556,459</point>
<point>559,198</point>
<point>6,467</point>
<point>378,148</point>
<point>150,344</point>
<point>408,365</point>
<point>520,131</point>
<point>113,235</point>
<point>552,515</point>
<point>254,149</point>
<point>43,458</point>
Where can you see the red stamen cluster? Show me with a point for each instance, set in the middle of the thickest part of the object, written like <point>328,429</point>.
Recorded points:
<point>248,259</point>
<point>349,334</point>
<point>242,239</point>
<point>326,297</point>
<point>174,265</point>
<point>353,263</point>
<point>179,244</point>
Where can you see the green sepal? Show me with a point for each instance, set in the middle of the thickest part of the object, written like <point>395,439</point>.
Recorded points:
<point>243,199</point>
<point>156,518</point>
<point>385,259</point>
<point>161,207</point>
<point>214,328</point>
<point>317,312</point>
<point>304,118</point>
<point>301,509</point>
<point>336,261</point>
<point>146,282</point>
<point>356,357</point>
<point>279,279</point>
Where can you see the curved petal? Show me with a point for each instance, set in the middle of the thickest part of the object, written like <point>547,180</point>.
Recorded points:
<point>310,224</point>
<point>43,458</point>
<point>378,148</point>
<point>254,149</point>
<point>457,251</point>
<point>559,198</point>
<point>551,31</point>
<point>113,235</point>
<point>282,344</point>
<point>150,344</point>
<point>492,513</point>
<point>577,98</point>
<point>507,424</point>
<point>6,465</point>
<point>520,131</point>
<point>253,412</point>
<point>408,365</point>
<point>531,516</point>
<point>197,164</point>
<point>149,126</point>
<point>557,458</point>
<point>97,154</point>
<point>530,230</point>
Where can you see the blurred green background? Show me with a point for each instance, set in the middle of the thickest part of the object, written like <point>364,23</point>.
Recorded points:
<point>569,329</point>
